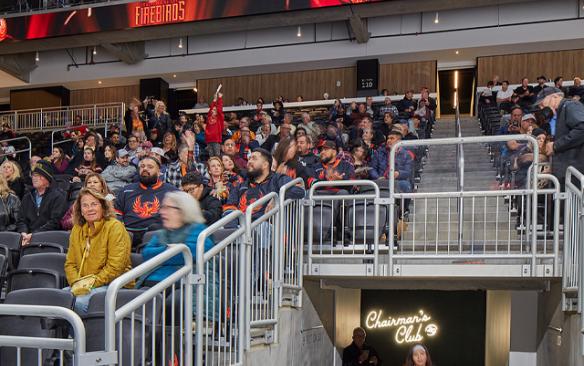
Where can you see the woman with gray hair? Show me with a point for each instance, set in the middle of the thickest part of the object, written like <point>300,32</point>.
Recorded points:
<point>182,222</point>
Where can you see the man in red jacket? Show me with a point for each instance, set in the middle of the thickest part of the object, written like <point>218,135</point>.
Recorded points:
<point>215,123</point>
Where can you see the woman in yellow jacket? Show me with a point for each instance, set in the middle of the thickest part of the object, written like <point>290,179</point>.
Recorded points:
<point>99,248</point>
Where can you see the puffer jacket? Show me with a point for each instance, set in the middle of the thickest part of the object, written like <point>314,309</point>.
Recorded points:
<point>117,176</point>
<point>109,253</point>
<point>569,139</point>
<point>9,212</point>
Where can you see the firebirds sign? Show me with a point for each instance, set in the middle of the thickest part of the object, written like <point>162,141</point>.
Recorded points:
<point>146,13</point>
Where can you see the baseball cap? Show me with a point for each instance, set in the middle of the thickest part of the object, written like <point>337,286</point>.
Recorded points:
<point>330,144</point>
<point>528,116</point>
<point>545,92</point>
<point>122,153</point>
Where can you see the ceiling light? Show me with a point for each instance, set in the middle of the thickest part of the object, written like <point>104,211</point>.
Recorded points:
<point>195,89</point>
<point>99,82</point>
<point>173,75</point>
<point>36,56</point>
<point>299,32</point>
<point>436,20</point>
<point>180,44</point>
<point>457,52</point>
<point>94,50</point>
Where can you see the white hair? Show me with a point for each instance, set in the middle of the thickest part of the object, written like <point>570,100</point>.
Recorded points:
<point>189,207</point>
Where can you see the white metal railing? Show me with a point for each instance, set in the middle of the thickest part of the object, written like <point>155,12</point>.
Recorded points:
<point>19,151</point>
<point>75,344</point>
<point>220,292</point>
<point>160,318</point>
<point>263,268</point>
<point>47,119</point>
<point>343,225</point>
<point>291,245</point>
<point>573,238</point>
<point>307,104</point>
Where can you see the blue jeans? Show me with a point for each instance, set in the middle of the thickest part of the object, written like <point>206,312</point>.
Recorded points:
<point>82,302</point>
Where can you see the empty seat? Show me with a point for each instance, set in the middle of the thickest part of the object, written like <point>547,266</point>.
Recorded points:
<point>145,240</point>
<point>34,326</point>
<point>53,262</point>
<point>57,237</point>
<point>35,248</point>
<point>12,241</point>
<point>136,259</point>
<point>33,278</point>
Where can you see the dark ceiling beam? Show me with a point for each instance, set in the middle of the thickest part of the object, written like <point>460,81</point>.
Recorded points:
<point>18,66</point>
<point>254,22</point>
<point>359,29</point>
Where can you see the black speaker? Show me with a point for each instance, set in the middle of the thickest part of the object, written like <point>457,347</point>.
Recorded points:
<point>367,77</point>
<point>156,87</point>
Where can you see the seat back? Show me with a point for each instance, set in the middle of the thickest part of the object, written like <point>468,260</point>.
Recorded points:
<point>33,278</point>
<point>136,259</point>
<point>35,248</point>
<point>12,241</point>
<point>52,261</point>
<point>56,236</point>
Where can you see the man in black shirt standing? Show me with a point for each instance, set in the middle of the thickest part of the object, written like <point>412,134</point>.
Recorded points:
<point>358,352</point>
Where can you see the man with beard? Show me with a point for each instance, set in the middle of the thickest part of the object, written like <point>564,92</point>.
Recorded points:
<point>331,167</point>
<point>138,204</point>
<point>260,181</point>
<point>305,155</point>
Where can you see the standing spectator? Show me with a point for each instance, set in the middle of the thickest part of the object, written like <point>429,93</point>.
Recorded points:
<point>183,124</point>
<point>193,184</point>
<point>43,206</point>
<point>135,122</point>
<point>99,248</point>
<point>120,173</point>
<point>11,172</point>
<point>160,119</point>
<point>199,130</point>
<point>360,353</point>
<point>9,207</point>
<point>336,111</point>
<point>215,124</point>
<point>138,204</point>
<point>418,355</point>
<point>567,128</point>
<point>278,112</point>
<point>369,107</point>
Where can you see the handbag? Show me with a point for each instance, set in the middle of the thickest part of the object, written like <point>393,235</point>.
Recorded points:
<point>83,285</point>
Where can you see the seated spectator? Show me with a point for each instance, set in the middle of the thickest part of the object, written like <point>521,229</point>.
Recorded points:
<point>487,96</point>
<point>221,179</point>
<point>360,353</point>
<point>184,164</point>
<point>264,133</point>
<point>92,181</point>
<point>387,125</point>
<point>10,207</point>
<point>369,109</point>
<point>259,112</point>
<point>99,248</point>
<point>541,84</point>
<point>367,122</point>
<point>43,206</point>
<point>367,138</point>
<point>284,133</point>
<point>504,95</point>
<point>359,114</point>
<point>559,83</point>
<point>116,140</point>
<point>266,120</point>
<point>230,148</point>
<point>524,158</point>
<point>246,144</point>
<point>121,173</point>
<point>181,125</point>
<point>408,104</point>
<point>286,161</point>
<point>299,132</point>
<point>193,184</point>
<point>387,107</point>
<point>12,174</point>
<point>243,123</point>
<point>278,112</point>
<point>306,156</point>
<point>138,204</point>
<point>110,153</point>
<point>360,159</point>
<point>336,111</point>
<point>169,145</point>
<point>403,163</point>
<point>155,138</point>
<point>332,132</point>
<point>525,94</point>
<point>59,160</point>
<point>7,133</point>
<point>331,167</point>
<point>199,130</point>
<point>576,91</point>
<point>215,125</point>
<point>309,126</point>
<point>182,222</point>
<point>260,181</point>
<point>89,165</point>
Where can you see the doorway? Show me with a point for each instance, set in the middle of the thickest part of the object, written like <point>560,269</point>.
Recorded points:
<point>465,90</point>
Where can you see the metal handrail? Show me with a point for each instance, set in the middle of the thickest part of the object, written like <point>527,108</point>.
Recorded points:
<point>459,169</point>
<point>19,151</point>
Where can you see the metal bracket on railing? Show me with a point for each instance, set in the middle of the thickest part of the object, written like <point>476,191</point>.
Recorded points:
<point>196,279</point>
<point>277,284</point>
<point>382,201</point>
<point>98,358</point>
<point>307,202</point>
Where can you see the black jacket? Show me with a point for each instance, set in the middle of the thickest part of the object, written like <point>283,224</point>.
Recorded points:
<point>569,139</point>
<point>211,206</point>
<point>351,355</point>
<point>47,216</point>
<point>9,212</point>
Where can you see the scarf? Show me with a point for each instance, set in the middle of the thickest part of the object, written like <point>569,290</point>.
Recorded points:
<point>175,236</point>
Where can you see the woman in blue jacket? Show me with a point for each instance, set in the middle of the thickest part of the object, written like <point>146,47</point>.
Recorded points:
<point>182,222</point>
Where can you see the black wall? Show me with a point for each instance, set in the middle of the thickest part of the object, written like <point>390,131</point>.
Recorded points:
<point>459,316</point>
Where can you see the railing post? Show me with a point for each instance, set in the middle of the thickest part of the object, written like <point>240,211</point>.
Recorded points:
<point>15,121</point>
<point>42,120</point>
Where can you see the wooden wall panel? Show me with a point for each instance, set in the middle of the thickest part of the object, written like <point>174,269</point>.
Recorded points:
<point>412,75</point>
<point>313,83</point>
<point>568,64</point>
<point>105,95</point>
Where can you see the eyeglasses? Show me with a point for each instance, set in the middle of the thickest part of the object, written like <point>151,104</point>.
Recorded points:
<point>189,190</point>
<point>87,206</point>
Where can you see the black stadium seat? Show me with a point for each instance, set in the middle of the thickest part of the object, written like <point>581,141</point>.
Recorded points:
<point>35,248</point>
<point>12,241</point>
<point>57,237</point>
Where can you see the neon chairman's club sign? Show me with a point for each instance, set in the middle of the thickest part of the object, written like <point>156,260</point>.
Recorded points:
<point>407,329</point>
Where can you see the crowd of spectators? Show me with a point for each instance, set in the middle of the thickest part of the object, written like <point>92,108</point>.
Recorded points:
<point>221,162</point>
